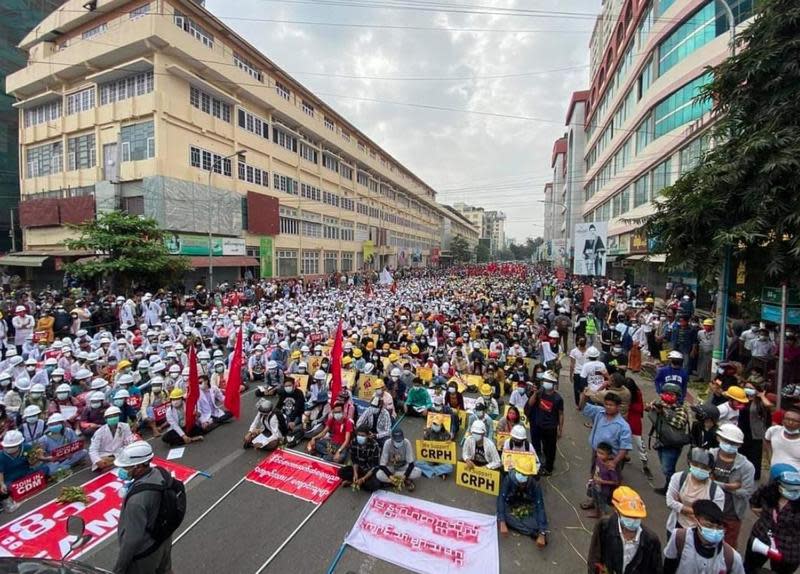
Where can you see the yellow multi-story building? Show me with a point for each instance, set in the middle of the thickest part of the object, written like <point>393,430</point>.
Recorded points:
<point>158,108</point>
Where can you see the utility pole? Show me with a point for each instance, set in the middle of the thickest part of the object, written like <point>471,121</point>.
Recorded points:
<point>11,233</point>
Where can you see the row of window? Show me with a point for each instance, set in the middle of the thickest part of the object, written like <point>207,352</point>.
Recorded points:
<point>209,104</point>
<point>253,123</point>
<point>210,161</point>
<point>252,174</point>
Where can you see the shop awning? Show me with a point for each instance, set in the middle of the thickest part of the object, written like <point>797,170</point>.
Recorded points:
<point>655,258</point>
<point>22,260</point>
<point>224,261</point>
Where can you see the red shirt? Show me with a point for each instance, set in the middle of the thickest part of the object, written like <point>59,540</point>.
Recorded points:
<point>338,429</point>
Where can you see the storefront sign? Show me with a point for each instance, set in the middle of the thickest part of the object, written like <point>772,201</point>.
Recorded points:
<point>182,244</point>
<point>639,242</point>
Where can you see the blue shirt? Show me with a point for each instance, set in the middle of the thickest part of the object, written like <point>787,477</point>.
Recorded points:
<point>615,432</point>
<point>669,374</point>
<point>14,467</point>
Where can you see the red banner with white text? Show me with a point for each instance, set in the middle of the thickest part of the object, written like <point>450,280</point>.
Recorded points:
<point>300,476</point>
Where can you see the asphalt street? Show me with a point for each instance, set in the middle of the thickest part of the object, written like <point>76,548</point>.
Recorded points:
<point>252,522</point>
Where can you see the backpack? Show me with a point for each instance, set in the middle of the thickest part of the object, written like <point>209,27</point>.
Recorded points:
<point>171,510</point>
<point>666,434</point>
<point>727,551</point>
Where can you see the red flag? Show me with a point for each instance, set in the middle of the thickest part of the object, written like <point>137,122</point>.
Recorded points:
<point>193,392</point>
<point>336,365</point>
<point>368,289</point>
<point>393,288</point>
<point>232,396</point>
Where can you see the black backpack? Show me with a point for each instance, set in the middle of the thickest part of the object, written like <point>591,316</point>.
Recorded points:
<point>171,511</point>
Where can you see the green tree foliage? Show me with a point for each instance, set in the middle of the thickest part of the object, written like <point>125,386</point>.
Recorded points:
<point>459,249</point>
<point>482,252</point>
<point>131,249</point>
<point>745,192</point>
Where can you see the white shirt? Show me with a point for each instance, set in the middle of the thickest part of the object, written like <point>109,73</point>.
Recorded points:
<point>783,449</point>
<point>728,414</point>
<point>104,443</point>
<point>579,357</point>
<point>591,372</point>
<point>629,547</point>
<point>692,563</point>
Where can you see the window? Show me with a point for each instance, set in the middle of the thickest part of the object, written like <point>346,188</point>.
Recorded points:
<point>80,101</point>
<point>362,178</point>
<point>96,31</point>
<point>138,141</point>
<point>345,136</point>
<point>124,88</point>
<point>331,261</point>
<point>681,107</point>
<point>282,91</point>
<point>142,10</point>
<point>330,162</point>
<point>133,205</point>
<point>644,133</point>
<point>311,229</point>
<point>308,153</point>
<point>289,226</point>
<point>210,161</point>
<point>287,262</point>
<point>347,261</point>
<point>330,228</point>
<point>284,184</point>
<point>698,30</point>
<point>253,123</point>
<point>308,109</point>
<point>346,231</point>
<point>190,27</point>
<point>644,80</point>
<point>252,174</point>
<point>284,139</point>
<point>310,192</point>
<point>348,204</point>
<point>81,153</point>
<point>691,155</point>
<point>346,171</point>
<point>330,198</point>
<point>43,113</point>
<point>44,159</point>
<point>329,123</point>
<point>310,262</point>
<point>248,67</point>
<point>641,190</point>
<point>209,104</point>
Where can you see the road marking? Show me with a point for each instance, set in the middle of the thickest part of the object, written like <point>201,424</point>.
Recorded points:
<point>210,508</point>
<point>288,539</point>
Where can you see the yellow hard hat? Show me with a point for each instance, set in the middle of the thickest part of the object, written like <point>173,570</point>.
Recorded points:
<point>628,502</point>
<point>524,465</point>
<point>347,360</point>
<point>123,364</point>
<point>649,300</point>
<point>403,350</point>
<point>414,349</point>
<point>357,353</point>
<point>296,354</point>
<point>737,394</point>
<point>176,393</point>
<point>393,357</point>
<point>486,389</point>
<point>709,322</point>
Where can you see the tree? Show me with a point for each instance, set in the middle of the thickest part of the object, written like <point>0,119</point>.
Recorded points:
<point>482,252</point>
<point>744,194</point>
<point>130,248</point>
<point>459,249</point>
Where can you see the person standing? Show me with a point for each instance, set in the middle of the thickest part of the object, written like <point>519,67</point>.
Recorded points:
<point>734,474</point>
<point>153,507</point>
<point>547,406</point>
<point>577,358</point>
<point>705,346</point>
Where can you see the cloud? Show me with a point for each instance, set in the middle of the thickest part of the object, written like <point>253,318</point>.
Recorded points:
<point>496,163</point>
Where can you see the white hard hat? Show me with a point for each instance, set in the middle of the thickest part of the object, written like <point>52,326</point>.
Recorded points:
<point>83,374</point>
<point>320,375</point>
<point>20,309</point>
<point>31,411</point>
<point>592,352</point>
<point>111,411</point>
<point>174,369</point>
<point>23,383</point>
<point>553,334</point>
<point>96,396</point>
<point>13,438</point>
<point>57,373</point>
<point>395,372</point>
<point>731,433</point>
<point>55,418</point>
<point>62,388</point>
<point>38,388</point>
<point>122,394</point>
<point>98,384</point>
<point>272,365</point>
<point>31,362</point>
<point>675,355</point>
<point>135,453</point>
<point>203,355</point>
<point>477,428</point>
<point>143,364</point>
<point>517,432</point>
<point>50,361</point>
<point>125,380</point>
<point>550,376</point>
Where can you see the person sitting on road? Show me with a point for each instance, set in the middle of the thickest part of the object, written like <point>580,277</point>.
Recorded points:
<point>479,450</point>
<point>333,442</point>
<point>66,405</point>
<point>365,454</point>
<point>397,462</point>
<point>128,414</point>
<point>58,435</point>
<point>109,440</point>
<point>377,418</point>
<point>437,432</point>
<point>156,396</point>
<point>265,431</point>
<point>621,543</point>
<point>291,404</point>
<point>176,421</point>
<point>14,465</point>
<point>210,413</point>
<point>479,415</point>
<point>418,401</point>
<point>486,398</point>
<point>520,505</point>
<point>702,548</point>
<point>316,414</point>
<point>32,426</point>
<point>92,415</point>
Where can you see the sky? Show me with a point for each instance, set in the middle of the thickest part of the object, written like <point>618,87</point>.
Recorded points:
<point>485,59</point>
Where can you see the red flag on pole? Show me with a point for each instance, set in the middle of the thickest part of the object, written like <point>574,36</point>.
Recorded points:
<point>336,364</point>
<point>193,391</point>
<point>232,396</point>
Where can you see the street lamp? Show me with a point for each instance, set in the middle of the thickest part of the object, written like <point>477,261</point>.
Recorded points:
<point>241,154</point>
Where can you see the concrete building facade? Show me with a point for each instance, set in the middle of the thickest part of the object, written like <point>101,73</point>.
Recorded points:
<point>181,119</point>
<point>490,224</point>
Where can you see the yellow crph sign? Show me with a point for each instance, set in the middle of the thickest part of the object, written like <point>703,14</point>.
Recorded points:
<point>436,451</point>
<point>478,478</point>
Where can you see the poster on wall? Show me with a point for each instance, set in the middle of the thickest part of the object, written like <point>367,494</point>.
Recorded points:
<point>182,244</point>
<point>591,240</point>
<point>265,252</point>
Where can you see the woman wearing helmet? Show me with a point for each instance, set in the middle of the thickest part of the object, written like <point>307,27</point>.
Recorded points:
<point>176,422</point>
<point>14,465</point>
<point>58,442</point>
<point>520,505</point>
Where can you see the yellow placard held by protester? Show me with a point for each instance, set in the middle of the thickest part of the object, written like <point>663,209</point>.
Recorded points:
<point>511,459</point>
<point>463,417</point>
<point>478,478</point>
<point>326,351</point>
<point>474,381</point>
<point>436,451</point>
<point>349,378</point>
<point>302,382</point>
<point>446,420</point>
<point>314,364</point>
<point>500,439</point>
<point>367,385</point>
<point>425,373</point>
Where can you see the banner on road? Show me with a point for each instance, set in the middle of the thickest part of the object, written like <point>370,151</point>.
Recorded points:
<point>436,451</point>
<point>297,475</point>
<point>42,532</point>
<point>478,478</point>
<point>425,537</point>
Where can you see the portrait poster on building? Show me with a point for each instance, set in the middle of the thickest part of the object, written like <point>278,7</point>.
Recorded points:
<point>591,241</point>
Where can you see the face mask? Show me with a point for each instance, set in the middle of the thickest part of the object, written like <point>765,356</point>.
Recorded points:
<point>547,386</point>
<point>397,444</point>
<point>451,390</point>
<point>173,375</point>
<point>338,416</point>
<point>632,524</point>
<point>12,451</point>
<point>156,390</point>
<point>712,535</point>
<point>728,448</point>
<point>95,405</point>
<point>30,369</point>
<point>521,478</point>
<point>750,392</point>
<point>436,427</point>
<point>31,420</point>
<point>123,474</point>
<point>177,404</point>
<point>360,439</point>
<point>119,402</point>
<point>62,396</point>
<point>792,432</point>
<point>55,429</point>
<point>36,395</point>
<point>789,494</point>
<point>699,473</point>
<point>112,421</point>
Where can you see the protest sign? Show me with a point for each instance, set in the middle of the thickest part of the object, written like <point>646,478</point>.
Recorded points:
<point>297,475</point>
<point>478,478</point>
<point>436,451</point>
